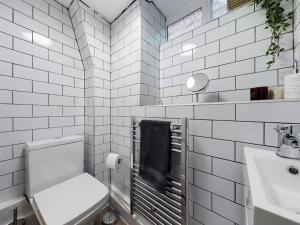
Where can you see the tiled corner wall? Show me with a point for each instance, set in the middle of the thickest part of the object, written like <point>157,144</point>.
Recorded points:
<point>125,83</point>
<point>231,51</point>
<point>135,38</point>
<point>153,34</point>
<point>93,37</point>
<point>125,58</point>
<point>217,134</point>
<point>41,83</point>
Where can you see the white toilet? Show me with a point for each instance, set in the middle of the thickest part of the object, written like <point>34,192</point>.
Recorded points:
<point>59,191</point>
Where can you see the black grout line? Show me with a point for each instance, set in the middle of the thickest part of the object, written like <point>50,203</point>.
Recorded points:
<point>165,115</point>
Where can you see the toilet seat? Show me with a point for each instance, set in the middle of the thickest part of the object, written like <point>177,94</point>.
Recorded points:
<point>69,201</point>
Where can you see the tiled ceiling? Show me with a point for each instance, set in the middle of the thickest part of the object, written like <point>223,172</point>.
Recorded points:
<point>172,9</point>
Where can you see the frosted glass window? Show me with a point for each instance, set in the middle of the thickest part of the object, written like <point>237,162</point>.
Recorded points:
<point>185,24</point>
<point>219,8</point>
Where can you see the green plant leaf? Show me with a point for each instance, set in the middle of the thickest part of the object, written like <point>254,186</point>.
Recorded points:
<point>278,21</point>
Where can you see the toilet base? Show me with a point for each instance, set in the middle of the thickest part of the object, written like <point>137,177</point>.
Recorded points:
<point>110,218</point>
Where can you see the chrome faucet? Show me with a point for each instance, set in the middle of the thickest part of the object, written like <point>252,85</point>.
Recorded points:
<point>289,141</point>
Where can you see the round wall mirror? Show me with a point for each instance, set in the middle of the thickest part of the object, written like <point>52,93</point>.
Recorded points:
<point>198,82</point>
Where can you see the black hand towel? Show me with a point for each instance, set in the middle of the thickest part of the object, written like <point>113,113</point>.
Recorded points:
<point>155,153</point>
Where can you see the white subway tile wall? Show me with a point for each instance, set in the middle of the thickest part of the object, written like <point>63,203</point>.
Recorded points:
<point>233,45</point>
<point>58,81</point>
<point>135,44</point>
<point>35,90</point>
<point>93,37</point>
<point>218,133</point>
<point>153,34</point>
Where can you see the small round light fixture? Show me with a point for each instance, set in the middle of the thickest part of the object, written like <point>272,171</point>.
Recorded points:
<point>198,82</point>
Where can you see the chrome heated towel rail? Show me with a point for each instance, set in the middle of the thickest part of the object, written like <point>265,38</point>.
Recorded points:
<point>161,209</point>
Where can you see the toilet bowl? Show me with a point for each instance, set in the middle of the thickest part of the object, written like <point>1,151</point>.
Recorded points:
<point>58,190</point>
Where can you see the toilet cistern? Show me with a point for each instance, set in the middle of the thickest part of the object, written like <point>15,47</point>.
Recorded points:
<point>58,189</point>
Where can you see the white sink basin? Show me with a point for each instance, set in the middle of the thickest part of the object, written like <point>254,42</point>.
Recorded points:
<point>274,195</point>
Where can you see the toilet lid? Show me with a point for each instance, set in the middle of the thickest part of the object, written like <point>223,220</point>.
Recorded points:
<point>70,200</point>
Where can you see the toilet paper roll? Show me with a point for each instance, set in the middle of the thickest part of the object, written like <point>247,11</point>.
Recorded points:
<point>113,161</point>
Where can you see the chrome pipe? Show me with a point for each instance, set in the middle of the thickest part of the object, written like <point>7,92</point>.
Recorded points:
<point>176,137</point>
<point>175,150</point>
<point>172,190</point>
<point>164,209</point>
<point>176,131</point>
<point>152,211</point>
<point>157,211</point>
<point>176,144</point>
<point>172,124</point>
<point>172,137</point>
<point>174,184</point>
<point>143,213</point>
<point>173,196</point>
<point>170,180</point>
<point>184,172</point>
<point>132,160</point>
<point>172,149</point>
<point>165,197</point>
<point>166,204</point>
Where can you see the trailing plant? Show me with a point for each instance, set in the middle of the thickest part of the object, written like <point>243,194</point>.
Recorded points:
<point>278,21</point>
